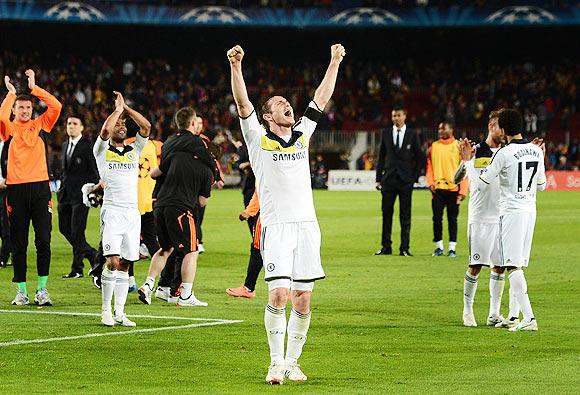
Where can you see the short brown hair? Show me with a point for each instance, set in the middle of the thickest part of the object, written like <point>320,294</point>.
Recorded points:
<point>184,116</point>
<point>266,107</point>
<point>23,97</point>
<point>495,113</point>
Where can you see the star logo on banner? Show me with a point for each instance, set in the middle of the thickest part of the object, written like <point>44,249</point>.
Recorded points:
<point>522,14</point>
<point>214,14</point>
<point>366,16</point>
<point>74,10</point>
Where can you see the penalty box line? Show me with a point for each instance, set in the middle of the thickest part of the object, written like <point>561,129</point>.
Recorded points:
<point>212,322</point>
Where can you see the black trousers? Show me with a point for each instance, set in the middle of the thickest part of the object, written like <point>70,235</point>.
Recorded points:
<point>72,223</point>
<point>4,229</point>
<point>30,202</point>
<point>199,213</point>
<point>171,274</point>
<point>255,262</point>
<point>390,192</point>
<point>255,265</point>
<point>444,199</point>
<point>148,234</point>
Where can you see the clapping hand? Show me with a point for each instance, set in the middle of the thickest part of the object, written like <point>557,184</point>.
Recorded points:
<point>540,143</point>
<point>31,79</point>
<point>9,86</point>
<point>119,101</point>
<point>466,149</point>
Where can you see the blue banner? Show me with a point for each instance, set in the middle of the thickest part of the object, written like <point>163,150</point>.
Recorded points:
<point>367,17</point>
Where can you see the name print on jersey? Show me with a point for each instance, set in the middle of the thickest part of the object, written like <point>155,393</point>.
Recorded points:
<point>526,151</point>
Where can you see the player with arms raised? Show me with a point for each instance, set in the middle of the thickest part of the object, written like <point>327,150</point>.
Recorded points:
<point>118,166</point>
<point>520,167</point>
<point>290,233</point>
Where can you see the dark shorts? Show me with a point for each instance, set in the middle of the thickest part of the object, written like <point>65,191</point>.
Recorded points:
<point>176,228</point>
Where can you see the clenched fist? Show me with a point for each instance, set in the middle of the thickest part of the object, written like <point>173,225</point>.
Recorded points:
<point>337,52</point>
<point>235,55</point>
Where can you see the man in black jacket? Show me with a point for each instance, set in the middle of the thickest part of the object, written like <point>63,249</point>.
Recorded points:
<point>399,162</point>
<point>78,168</point>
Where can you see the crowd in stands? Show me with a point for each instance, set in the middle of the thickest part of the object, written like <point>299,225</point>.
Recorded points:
<point>460,92</point>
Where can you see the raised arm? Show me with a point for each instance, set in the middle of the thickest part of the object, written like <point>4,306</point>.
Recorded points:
<point>140,120</point>
<point>542,181</point>
<point>245,107</point>
<point>6,109</point>
<point>494,168</point>
<point>112,119</point>
<point>50,116</point>
<point>466,151</point>
<point>324,91</point>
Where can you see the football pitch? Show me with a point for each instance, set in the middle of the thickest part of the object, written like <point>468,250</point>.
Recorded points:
<point>379,323</point>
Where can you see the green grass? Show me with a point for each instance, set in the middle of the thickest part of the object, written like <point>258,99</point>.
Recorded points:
<point>380,324</point>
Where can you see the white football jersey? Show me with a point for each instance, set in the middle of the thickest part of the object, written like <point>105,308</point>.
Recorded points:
<point>483,199</point>
<point>119,170</point>
<point>521,171</point>
<point>282,168</point>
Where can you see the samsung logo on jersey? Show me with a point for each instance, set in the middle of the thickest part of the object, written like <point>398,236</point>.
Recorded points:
<point>293,156</point>
<point>526,151</point>
<point>122,166</point>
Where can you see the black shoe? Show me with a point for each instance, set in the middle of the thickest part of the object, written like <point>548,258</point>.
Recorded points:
<point>384,251</point>
<point>452,254</point>
<point>73,275</point>
<point>405,253</point>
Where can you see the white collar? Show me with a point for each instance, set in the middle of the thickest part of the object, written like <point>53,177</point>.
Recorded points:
<point>403,129</point>
<point>75,140</point>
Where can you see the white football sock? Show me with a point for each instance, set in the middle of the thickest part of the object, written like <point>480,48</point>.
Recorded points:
<point>469,288</point>
<point>298,325</point>
<point>496,285</point>
<point>514,307</point>
<point>452,245</point>
<point>150,282</point>
<point>108,281</point>
<point>518,282</point>
<point>121,291</point>
<point>439,244</point>
<point>132,282</point>
<point>186,290</point>
<point>275,323</point>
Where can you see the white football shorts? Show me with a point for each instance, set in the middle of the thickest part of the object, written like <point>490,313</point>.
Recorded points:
<point>483,244</point>
<point>516,232</point>
<point>121,232</point>
<point>291,252</point>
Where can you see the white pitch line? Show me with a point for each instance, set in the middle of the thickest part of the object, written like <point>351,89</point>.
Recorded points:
<point>128,332</point>
<point>75,313</point>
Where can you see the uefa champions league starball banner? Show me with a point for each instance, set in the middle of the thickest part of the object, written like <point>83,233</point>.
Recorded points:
<point>364,180</point>
<point>524,14</point>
